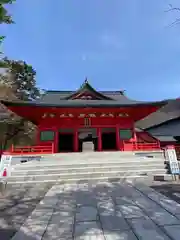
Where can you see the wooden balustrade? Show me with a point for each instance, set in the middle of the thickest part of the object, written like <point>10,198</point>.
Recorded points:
<point>46,149</point>
<point>146,146</point>
<point>177,148</point>
<point>135,146</point>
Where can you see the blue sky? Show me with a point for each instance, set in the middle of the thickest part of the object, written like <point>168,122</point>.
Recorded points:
<point>116,44</point>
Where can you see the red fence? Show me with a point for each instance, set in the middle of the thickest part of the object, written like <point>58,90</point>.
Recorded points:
<point>46,149</point>
<point>135,146</point>
<point>146,146</point>
<point>177,148</point>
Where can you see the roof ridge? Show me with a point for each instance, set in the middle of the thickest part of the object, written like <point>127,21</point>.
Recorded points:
<point>60,91</point>
<point>67,91</point>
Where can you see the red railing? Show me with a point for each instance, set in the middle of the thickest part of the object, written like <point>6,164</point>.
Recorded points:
<point>135,146</point>
<point>177,148</point>
<point>146,146</point>
<point>46,149</point>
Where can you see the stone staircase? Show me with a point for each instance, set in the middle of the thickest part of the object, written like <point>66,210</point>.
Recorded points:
<point>74,167</point>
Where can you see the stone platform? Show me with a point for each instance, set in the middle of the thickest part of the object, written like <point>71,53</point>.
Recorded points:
<point>102,211</point>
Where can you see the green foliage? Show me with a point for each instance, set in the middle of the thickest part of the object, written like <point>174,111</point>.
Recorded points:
<point>21,79</point>
<point>13,129</point>
<point>4,16</point>
<point>16,82</point>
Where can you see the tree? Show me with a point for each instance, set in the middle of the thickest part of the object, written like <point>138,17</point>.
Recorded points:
<point>174,9</point>
<point>21,77</point>
<point>5,18</point>
<point>16,83</point>
<point>14,129</point>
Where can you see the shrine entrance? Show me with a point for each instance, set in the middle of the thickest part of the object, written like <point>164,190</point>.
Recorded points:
<point>88,141</point>
<point>66,141</point>
<point>108,139</point>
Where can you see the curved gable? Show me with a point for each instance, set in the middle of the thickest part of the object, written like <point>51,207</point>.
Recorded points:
<point>87,92</point>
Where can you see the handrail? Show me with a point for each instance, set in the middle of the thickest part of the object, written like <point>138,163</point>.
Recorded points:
<point>37,149</point>
<point>133,146</point>
<point>50,148</point>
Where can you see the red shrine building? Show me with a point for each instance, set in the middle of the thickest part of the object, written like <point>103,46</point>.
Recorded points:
<point>68,120</point>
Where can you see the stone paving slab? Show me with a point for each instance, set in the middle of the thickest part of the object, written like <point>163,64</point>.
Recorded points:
<point>145,229</point>
<point>86,213</point>
<point>23,199</point>
<point>37,222</point>
<point>173,231</point>
<point>58,231</point>
<point>122,235</point>
<point>124,200</point>
<point>162,217</point>
<point>166,203</point>
<point>156,212</point>
<point>113,223</point>
<point>88,231</point>
<point>130,211</point>
<point>169,204</point>
<point>106,206</point>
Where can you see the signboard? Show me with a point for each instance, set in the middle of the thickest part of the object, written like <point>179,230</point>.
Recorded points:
<point>5,166</point>
<point>172,158</point>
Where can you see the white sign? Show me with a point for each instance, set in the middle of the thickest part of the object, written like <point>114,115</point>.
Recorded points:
<point>173,162</point>
<point>5,166</point>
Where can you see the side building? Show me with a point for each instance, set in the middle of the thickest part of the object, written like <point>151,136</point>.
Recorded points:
<point>164,124</point>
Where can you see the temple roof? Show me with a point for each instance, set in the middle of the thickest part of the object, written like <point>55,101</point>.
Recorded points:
<point>83,103</point>
<point>86,96</point>
<point>84,90</point>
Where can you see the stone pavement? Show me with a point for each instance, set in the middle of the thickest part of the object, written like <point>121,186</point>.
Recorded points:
<point>102,211</point>
<point>16,203</point>
<point>169,189</point>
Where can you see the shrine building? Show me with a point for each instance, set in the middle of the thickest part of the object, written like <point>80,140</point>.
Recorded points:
<point>67,120</point>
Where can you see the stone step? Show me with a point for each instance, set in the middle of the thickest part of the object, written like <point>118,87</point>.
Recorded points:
<point>86,163</point>
<point>83,175</point>
<point>70,156</point>
<point>95,156</point>
<point>130,178</point>
<point>85,168</point>
<point>102,158</point>
<point>92,155</point>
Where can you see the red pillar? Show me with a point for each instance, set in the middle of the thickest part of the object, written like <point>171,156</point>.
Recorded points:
<point>135,140</point>
<point>38,138</point>
<point>118,147</point>
<point>56,140</point>
<point>76,140</point>
<point>99,135</point>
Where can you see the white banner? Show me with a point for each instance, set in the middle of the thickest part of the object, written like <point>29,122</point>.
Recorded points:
<point>173,162</point>
<point>5,166</point>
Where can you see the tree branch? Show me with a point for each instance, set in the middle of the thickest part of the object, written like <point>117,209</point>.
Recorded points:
<point>173,9</point>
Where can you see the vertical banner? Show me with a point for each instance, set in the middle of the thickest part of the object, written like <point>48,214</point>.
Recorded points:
<point>5,166</point>
<point>170,154</point>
